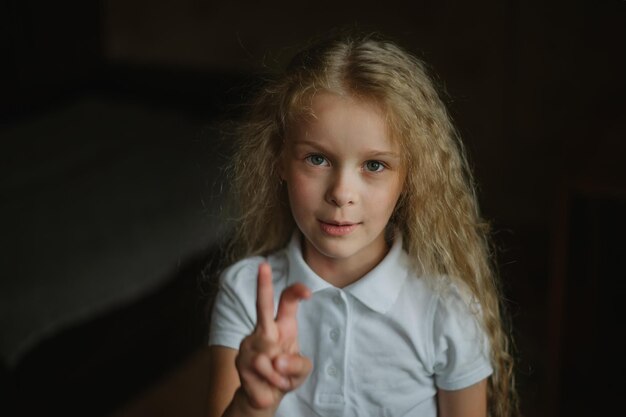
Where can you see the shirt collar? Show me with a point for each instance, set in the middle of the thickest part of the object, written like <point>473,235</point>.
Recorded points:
<point>378,289</point>
<point>299,270</point>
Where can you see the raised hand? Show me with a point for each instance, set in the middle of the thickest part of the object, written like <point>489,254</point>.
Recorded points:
<point>269,362</point>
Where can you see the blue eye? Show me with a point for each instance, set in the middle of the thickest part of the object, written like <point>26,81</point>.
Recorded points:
<point>374,166</point>
<point>316,160</point>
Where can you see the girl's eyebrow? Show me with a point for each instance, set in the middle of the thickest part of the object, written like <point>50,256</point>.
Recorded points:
<point>308,142</point>
<point>311,144</point>
<point>369,152</point>
<point>384,154</point>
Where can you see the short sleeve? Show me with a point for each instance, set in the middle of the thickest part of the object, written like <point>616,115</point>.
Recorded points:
<point>234,314</point>
<point>461,347</point>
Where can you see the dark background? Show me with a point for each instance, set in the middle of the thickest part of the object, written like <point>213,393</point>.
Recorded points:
<point>536,88</point>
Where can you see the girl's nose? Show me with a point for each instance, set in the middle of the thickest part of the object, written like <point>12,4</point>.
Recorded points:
<point>341,191</point>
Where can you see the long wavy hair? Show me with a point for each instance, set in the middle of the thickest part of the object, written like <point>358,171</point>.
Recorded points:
<point>437,212</point>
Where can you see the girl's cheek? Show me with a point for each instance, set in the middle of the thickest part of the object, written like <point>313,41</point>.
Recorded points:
<point>304,185</point>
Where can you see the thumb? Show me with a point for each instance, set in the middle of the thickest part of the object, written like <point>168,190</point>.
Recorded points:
<point>293,365</point>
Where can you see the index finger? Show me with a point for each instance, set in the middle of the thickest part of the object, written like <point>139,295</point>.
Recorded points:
<point>265,297</point>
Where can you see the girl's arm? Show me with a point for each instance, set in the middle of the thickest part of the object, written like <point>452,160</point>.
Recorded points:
<point>466,402</point>
<point>223,379</point>
<point>252,381</point>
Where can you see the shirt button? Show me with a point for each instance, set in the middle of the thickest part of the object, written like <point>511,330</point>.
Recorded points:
<point>337,299</point>
<point>332,371</point>
<point>334,335</point>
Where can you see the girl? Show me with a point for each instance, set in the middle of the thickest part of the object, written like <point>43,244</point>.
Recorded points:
<point>356,196</point>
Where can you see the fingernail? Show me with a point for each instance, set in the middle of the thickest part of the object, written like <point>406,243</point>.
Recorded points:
<point>284,383</point>
<point>281,364</point>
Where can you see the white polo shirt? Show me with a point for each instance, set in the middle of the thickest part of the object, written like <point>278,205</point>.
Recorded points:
<point>379,347</point>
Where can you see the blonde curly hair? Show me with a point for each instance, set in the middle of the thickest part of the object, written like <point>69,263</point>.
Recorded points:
<point>437,213</point>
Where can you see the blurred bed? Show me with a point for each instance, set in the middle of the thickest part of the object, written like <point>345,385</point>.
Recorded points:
<point>112,206</point>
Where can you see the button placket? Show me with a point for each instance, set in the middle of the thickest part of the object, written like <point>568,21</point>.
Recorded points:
<point>338,358</point>
<point>331,388</point>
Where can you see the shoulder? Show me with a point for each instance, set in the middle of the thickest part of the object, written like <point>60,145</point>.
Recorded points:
<point>234,311</point>
<point>436,295</point>
<point>241,272</point>
<point>241,276</point>
<point>455,300</point>
<point>455,313</point>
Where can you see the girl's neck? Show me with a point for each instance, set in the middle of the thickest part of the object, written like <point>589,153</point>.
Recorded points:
<point>342,272</point>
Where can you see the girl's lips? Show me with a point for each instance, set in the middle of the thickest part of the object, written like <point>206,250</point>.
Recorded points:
<point>337,229</point>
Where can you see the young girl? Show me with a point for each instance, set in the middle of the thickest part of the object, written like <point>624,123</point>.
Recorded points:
<point>356,196</point>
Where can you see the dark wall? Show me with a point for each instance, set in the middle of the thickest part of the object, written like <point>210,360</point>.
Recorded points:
<point>48,50</point>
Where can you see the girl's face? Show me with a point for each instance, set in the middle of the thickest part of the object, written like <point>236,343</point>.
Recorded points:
<point>344,177</point>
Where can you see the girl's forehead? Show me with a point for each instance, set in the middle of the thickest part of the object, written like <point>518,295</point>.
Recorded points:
<point>322,100</point>
<point>327,112</point>
<point>344,125</point>
<point>324,107</point>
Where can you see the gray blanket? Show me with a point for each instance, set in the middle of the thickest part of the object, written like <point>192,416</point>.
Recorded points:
<point>100,202</point>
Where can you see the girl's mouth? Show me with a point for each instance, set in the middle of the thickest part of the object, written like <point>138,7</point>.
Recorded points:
<point>333,229</point>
